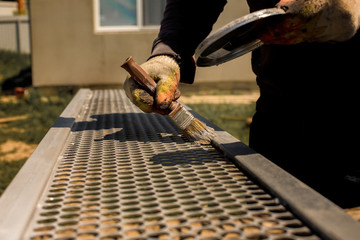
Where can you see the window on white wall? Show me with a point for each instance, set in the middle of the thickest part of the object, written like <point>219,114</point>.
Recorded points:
<point>122,15</point>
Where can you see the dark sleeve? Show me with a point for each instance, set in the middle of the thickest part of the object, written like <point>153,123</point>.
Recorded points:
<point>185,24</point>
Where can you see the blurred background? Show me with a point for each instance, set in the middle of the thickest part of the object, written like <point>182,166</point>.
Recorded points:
<point>51,48</point>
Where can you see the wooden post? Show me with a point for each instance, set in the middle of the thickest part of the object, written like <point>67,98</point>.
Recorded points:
<point>21,7</point>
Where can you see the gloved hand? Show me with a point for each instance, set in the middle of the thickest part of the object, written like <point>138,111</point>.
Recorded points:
<point>166,72</point>
<point>314,21</point>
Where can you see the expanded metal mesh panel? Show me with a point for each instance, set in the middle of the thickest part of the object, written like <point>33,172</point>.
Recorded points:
<point>128,175</point>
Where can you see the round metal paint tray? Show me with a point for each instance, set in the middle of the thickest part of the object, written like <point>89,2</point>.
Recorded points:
<point>234,39</point>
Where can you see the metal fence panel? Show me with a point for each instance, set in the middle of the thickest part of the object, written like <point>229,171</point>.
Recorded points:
<point>15,34</point>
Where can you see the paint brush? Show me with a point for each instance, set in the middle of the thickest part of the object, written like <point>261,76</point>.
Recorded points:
<point>193,129</point>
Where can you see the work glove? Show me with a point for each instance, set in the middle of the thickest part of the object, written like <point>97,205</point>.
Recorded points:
<point>166,73</point>
<point>314,21</point>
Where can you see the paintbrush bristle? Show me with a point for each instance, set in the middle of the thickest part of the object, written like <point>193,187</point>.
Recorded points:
<point>198,132</point>
<point>193,128</point>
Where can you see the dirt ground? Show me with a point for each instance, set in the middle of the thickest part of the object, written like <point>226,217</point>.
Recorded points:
<point>11,150</point>
<point>15,150</point>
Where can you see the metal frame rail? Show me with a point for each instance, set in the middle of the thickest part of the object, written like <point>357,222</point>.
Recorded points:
<point>105,170</point>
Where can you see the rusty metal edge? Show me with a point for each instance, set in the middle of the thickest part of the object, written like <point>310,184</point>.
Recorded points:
<point>325,218</point>
<point>21,197</point>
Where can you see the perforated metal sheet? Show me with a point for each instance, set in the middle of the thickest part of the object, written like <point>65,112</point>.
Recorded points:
<point>124,174</point>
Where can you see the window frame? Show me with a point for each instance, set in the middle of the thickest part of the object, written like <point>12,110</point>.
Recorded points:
<point>124,28</point>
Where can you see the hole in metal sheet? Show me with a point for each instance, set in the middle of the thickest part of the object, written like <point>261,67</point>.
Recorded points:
<point>152,212</point>
<point>160,236</point>
<point>88,227</point>
<point>215,190</point>
<point>226,226</point>
<point>131,203</point>
<point>294,225</point>
<point>202,193</point>
<point>155,227</point>
<point>87,235</point>
<point>215,211</point>
<point>49,214</point>
<point>91,212</point>
<point>111,195</point>
<point>251,229</point>
<point>302,233</point>
<point>91,199</point>
<point>256,208</point>
<point>167,195</point>
<point>73,197</point>
<point>67,223</point>
<point>112,237</point>
<point>210,205</point>
<point>232,206</point>
<point>173,214</point>
<point>69,216</point>
<point>188,203</point>
<point>93,179</point>
<point>197,216</point>
<point>269,223</point>
<point>207,199</point>
<point>111,207</point>
<point>218,219</point>
<point>275,231</point>
<point>243,221</point>
<point>44,229</point>
<point>134,209</point>
<point>111,214</point>
<point>47,220</point>
<point>134,233</point>
<point>193,209</point>
<point>110,221</point>
<point>76,191</point>
<point>42,237</point>
<point>132,216</point>
<point>232,235</point>
<point>227,200</point>
<point>89,219</point>
<point>153,219</point>
<point>146,194</point>
<point>132,225</point>
<point>66,231</point>
<point>110,230</point>
<point>110,201</point>
<point>168,201</point>
<point>206,232</point>
<point>171,207</point>
<point>59,185</point>
<point>182,229</point>
<point>256,237</point>
<point>175,222</point>
<point>109,190</point>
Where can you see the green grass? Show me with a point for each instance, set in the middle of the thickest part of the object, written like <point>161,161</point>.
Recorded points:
<point>8,170</point>
<point>230,117</point>
<point>11,63</point>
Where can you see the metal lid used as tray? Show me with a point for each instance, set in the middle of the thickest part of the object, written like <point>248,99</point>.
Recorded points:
<point>234,39</point>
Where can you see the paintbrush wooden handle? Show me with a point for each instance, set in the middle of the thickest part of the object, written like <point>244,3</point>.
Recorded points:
<point>144,79</point>
<point>139,75</point>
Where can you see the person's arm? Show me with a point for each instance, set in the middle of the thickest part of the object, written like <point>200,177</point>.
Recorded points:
<point>185,24</point>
